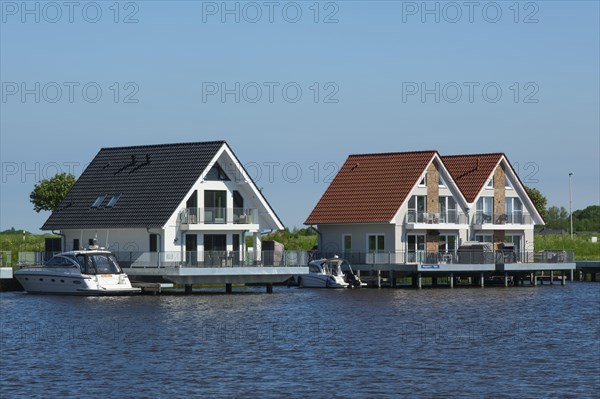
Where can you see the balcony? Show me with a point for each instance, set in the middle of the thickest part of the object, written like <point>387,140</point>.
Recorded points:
<point>414,219</point>
<point>218,216</point>
<point>483,219</point>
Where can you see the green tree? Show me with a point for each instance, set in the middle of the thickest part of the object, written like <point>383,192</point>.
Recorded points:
<point>587,219</point>
<point>48,193</point>
<point>538,199</point>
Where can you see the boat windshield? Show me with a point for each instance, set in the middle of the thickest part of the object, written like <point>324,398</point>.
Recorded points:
<point>98,264</point>
<point>105,264</point>
<point>60,261</point>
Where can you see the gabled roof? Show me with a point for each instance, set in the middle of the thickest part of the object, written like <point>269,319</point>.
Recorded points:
<point>471,172</point>
<point>370,187</point>
<point>152,181</point>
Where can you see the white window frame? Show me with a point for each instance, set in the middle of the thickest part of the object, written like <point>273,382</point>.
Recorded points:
<point>490,184</point>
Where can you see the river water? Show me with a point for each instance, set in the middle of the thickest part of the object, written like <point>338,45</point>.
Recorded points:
<point>518,342</point>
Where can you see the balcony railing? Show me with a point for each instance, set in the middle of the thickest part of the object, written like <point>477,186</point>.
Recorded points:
<point>450,216</point>
<point>516,217</point>
<point>212,259</point>
<point>218,216</point>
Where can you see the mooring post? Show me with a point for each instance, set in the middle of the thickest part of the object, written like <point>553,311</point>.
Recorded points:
<point>188,289</point>
<point>228,288</point>
<point>563,280</point>
<point>571,275</point>
<point>505,279</point>
<point>481,280</point>
<point>269,288</point>
<point>551,277</point>
<point>451,280</point>
<point>535,280</point>
<point>419,281</point>
<point>378,278</point>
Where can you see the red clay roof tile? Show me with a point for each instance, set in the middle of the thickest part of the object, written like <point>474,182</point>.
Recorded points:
<point>370,187</point>
<point>471,172</point>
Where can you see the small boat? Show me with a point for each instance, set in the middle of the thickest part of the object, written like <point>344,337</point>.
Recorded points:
<point>93,271</point>
<point>329,273</point>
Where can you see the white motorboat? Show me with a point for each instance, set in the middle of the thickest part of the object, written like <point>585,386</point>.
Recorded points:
<point>94,271</point>
<point>328,273</point>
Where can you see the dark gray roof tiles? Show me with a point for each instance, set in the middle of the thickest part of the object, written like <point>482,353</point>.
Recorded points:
<point>152,181</point>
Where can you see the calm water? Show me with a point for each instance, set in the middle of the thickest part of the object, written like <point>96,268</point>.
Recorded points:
<point>519,342</point>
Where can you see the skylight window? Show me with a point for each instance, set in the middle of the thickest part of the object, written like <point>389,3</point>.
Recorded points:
<point>99,201</point>
<point>113,200</point>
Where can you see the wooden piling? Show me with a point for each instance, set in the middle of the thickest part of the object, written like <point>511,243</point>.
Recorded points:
<point>228,289</point>
<point>451,280</point>
<point>269,288</point>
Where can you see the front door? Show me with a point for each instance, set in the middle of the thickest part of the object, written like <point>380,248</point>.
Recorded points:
<point>215,248</point>
<point>191,249</point>
<point>415,250</point>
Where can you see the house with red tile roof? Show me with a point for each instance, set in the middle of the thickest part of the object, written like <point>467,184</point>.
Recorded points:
<point>408,207</point>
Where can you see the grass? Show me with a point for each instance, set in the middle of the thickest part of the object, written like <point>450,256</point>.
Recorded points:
<point>582,244</point>
<point>16,243</point>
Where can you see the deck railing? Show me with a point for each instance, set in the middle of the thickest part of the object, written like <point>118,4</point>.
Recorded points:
<point>516,217</point>
<point>301,258</point>
<point>218,216</point>
<point>451,216</point>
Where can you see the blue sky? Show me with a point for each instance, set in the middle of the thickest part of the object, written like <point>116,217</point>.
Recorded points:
<point>306,84</point>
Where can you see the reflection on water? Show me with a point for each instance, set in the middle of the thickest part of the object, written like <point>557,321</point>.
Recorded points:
<point>493,342</point>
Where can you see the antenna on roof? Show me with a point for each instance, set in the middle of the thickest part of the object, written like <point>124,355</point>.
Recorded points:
<point>132,163</point>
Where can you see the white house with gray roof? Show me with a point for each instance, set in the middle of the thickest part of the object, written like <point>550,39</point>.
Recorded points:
<point>186,201</point>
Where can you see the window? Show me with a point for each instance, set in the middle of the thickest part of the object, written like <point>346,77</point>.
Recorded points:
<point>99,201</point>
<point>507,183</point>
<point>485,210</point>
<point>447,209</point>
<point>441,181</point>
<point>215,203</point>
<point>415,248</point>
<point>484,238</point>
<point>423,181</point>
<point>514,210</point>
<point>113,200</point>
<point>75,244</point>
<point>216,173</point>
<point>153,242</point>
<point>490,184</point>
<point>447,244</point>
<point>347,243</point>
<point>376,243</point>
<point>416,209</point>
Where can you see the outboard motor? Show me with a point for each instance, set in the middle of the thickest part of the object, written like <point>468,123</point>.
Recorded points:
<point>352,279</point>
